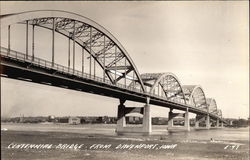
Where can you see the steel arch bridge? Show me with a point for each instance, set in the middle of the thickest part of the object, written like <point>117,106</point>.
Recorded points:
<point>105,66</point>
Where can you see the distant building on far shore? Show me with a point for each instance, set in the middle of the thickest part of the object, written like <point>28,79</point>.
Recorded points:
<point>74,120</point>
<point>51,118</point>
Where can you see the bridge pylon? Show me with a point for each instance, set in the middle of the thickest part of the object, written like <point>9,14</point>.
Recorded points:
<point>147,120</point>
<point>122,128</point>
<point>219,124</point>
<point>121,121</point>
<point>202,118</point>
<point>171,117</point>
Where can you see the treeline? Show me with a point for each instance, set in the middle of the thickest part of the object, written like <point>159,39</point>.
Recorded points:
<point>238,122</point>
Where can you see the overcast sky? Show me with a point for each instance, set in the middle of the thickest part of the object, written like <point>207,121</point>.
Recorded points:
<point>203,43</point>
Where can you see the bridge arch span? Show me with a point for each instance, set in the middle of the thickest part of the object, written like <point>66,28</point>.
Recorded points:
<point>101,45</point>
<point>195,95</point>
<point>212,105</point>
<point>168,82</point>
<point>213,108</point>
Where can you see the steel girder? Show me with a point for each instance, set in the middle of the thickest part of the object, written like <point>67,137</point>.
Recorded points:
<point>101,45</point>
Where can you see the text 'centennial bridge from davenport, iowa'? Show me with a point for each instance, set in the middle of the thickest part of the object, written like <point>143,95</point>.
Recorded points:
<point>96,62</point>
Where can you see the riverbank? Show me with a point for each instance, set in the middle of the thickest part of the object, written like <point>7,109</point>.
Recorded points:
<point>78,143</point>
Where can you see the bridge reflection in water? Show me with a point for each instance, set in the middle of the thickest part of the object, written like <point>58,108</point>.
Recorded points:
<point>106,69</point>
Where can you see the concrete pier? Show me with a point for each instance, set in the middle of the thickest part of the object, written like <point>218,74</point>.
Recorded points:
<point>187,121</point>
<point>217,123</point>
<point>171,117</point>
<point>208,122</point>
<point>121,120</point>
<point>147,120</point>
<point>200,118</point>
<point>121,127</point>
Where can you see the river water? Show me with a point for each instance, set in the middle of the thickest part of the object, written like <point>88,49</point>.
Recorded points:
<point>234,134</point>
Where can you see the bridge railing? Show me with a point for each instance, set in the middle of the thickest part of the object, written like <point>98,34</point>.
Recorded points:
<point>69,71</point>
<point>12,54</point>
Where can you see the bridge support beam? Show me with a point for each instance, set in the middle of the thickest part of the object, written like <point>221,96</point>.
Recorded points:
<point>121,121</point>
<point>217,123</point>
<point>121,127</point>
<point>147,120</point>
<point>171,117</point>
<point>196,124</point>
<point>208,122</point>
<point>187,121</point>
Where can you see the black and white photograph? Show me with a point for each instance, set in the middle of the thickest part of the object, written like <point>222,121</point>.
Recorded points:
<point>124,80</point>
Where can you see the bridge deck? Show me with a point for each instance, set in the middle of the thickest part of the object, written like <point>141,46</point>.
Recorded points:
<point>16,65</point>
